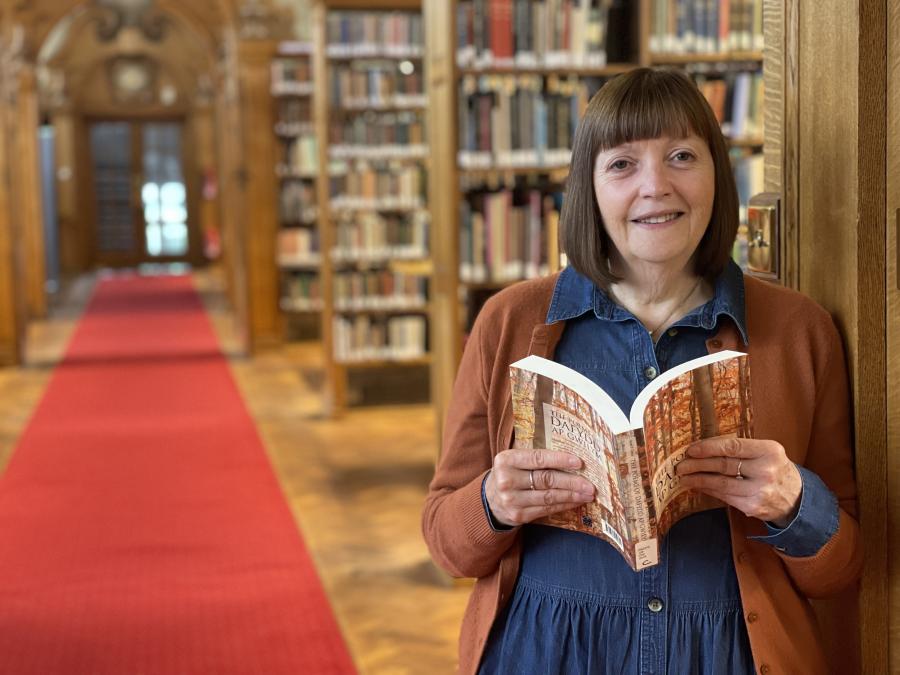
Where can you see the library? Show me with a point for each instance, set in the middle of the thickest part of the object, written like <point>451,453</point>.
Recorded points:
<point>246,246</point>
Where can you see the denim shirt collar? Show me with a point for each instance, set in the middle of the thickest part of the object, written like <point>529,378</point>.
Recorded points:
<point>575,295</point>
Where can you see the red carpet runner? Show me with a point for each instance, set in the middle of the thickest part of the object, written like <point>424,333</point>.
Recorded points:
<point>142,531</point>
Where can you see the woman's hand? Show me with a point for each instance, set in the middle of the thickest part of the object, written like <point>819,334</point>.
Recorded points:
<point>754,476</point>
<point>525,485</point>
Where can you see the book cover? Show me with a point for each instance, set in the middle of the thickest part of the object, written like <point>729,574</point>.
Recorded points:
<point>631,460</point>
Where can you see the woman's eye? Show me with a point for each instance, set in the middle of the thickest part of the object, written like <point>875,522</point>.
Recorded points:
<point>619,165</point>
<point>683,156</point>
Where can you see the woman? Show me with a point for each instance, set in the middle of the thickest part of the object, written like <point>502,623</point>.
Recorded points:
<point>648,223</point>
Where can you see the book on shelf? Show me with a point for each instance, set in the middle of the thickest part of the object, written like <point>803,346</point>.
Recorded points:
<point>705,27</point>
<point>508,121</point>
<point>357,34</point>
<point>504,234</point>
<point>298,247</point>
<point>379,290</point>
<point>538,33</point>
<point>631,461</point>
<point>372,237</point>
<point>736,98</point>
<point>376,84</point>
<point>370,338</point>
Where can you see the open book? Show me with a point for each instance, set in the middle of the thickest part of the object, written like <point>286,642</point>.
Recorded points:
<point>631,461</point>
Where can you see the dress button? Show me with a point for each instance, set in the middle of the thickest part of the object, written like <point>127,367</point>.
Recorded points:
<point>673,332</point>
<point>649,372</point>
<point>655,605</point>
<point>752,617</point>
<point>742,557</point>
<point>715,344</point>
<point>764,669</point>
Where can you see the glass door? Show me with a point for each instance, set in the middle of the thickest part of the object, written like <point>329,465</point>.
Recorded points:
<point>141,194</point>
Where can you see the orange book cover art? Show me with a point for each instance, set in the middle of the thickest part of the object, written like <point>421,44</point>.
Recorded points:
<point>631,461</point>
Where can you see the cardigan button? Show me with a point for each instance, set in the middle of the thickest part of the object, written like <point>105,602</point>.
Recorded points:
<point>715,344</point>
<point>764,669</point>
<point>752,617</point>
<point>742,557</point>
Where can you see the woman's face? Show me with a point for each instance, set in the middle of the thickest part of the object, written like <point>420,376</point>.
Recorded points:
<point>656,199</point>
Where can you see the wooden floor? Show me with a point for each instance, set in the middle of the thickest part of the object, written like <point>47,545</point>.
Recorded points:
<point>355,486</point>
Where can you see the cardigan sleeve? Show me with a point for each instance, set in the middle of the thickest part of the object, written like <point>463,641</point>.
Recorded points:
<point>838,563</point>
<point>454,523</point>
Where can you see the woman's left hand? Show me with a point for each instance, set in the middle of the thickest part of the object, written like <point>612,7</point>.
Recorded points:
<point>754,476</point>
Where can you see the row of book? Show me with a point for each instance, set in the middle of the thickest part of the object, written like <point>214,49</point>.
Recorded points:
<point>293,112</point>
<point>736,98</point>
<point>541,33</point>
<point>519,120</point>
<point>301,292</point>
<point>504,235</point>
<point>291,77</point>
<point>300,156</point>
<point>364,34</point>
<point>361,85</point>
<point>376,237</point>
<point>297,203</point>
<point>387,128</point>
<point>383,185</point>
<point>356,291</point>
<point>392,338</point>
<point>298,247</point>
<point>706,26</point>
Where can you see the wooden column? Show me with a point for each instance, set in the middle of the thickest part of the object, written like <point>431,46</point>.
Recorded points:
<point>230,178</point>
<point>260,192</point>
<point>26,164</point>
<point>841,257</point>
<point>893,331</point>
<point>12,323</point>
<point>72,238</point>
<point>335,394</point>
<point>204,162</point>
<point>440,69</point>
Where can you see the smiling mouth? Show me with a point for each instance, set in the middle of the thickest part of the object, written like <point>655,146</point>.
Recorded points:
<point>660,219</point>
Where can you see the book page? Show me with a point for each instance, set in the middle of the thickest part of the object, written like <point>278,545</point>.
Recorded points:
<point>709,401</point>
<point>550,415</point>
<point>596,398</point>
<point>635,482</point>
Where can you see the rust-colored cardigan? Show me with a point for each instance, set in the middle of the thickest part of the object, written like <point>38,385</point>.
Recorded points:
<point>800,398</point>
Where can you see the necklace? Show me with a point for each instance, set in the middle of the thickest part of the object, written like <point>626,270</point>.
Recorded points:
<point>687,297</point>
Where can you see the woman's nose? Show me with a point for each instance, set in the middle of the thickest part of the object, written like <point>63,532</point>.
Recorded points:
<point>654,180</point>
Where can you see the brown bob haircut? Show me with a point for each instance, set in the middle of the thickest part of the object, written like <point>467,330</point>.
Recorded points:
<point>641,104</point>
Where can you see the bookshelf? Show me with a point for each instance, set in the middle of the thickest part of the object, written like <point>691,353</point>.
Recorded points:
<point>370,116</point>
<point>508,81</point>
<point>298,249</point>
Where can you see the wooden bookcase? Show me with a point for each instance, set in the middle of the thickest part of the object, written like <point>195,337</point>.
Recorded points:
<point>642,33</point>
<point>298,251</point>
<point>376,269</point>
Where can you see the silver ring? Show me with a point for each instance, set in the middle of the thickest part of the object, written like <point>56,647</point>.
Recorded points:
<point>531,478</point>
<point>739,475</point>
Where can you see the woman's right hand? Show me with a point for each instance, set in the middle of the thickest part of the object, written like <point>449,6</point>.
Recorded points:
<point>525,485</point>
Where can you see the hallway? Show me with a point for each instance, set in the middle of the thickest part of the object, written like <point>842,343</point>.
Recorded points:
<point>358,518</point>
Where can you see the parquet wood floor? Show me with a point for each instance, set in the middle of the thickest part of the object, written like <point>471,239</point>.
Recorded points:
<point>355,486</point>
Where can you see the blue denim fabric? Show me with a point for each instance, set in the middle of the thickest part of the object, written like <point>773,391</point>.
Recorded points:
<point>577,606</point>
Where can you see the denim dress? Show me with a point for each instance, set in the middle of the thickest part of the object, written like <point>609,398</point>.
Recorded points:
<point>577,606</point>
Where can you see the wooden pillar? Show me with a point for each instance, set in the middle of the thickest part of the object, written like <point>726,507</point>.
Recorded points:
<point>12,322</point>
<point>230,179</point>
<point>26,164</point>
<point>840,198</point>
<point>893,331</point>
<point>72,238</point>
<point>204,161</point>
<point>440,68</point>
<point>260,193</point>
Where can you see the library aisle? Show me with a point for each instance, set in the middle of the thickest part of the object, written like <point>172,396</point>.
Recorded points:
<point>357,507</point>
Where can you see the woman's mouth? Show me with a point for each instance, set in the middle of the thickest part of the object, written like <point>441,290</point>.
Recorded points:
<point>658,219</point>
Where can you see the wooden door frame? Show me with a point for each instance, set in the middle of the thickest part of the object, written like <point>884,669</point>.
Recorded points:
<point>826,119</point>
<point>194,252</point>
